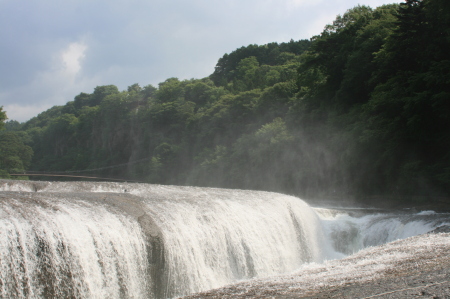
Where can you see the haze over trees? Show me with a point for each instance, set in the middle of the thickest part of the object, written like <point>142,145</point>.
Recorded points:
<point>361,110</point>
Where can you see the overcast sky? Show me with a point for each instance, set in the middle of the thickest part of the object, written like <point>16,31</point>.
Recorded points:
<point>51,50</point>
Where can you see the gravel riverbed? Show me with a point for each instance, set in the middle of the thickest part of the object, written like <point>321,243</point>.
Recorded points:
<point>416,267</point>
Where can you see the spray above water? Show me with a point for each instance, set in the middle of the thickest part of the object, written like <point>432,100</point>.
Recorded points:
<point>111,240</point>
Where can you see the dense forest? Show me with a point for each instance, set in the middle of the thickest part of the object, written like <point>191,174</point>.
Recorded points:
<point>361,110</point>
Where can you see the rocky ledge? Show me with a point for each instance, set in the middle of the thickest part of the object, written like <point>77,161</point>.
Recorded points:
<point>416,267</point>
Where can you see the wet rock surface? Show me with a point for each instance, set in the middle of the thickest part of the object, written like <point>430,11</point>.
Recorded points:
<point>434,283</point>
<point>417,267</point>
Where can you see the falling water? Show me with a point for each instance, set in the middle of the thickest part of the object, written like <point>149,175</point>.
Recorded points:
<point>57,247</point>
<point>351,230</point>
<point>111,240</point>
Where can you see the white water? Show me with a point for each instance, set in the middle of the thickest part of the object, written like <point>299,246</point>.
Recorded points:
<point>213,237</point>
<point>110,240</point>
<point>57,248</point>
<point>349,234</point>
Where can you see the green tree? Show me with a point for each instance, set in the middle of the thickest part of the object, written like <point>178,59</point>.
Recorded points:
<point>3,118</point>
<point>15,156</point>
<point>13,125</point>
<point>135,88</point>
<point>408,111</point>
<point>101,92</point>
<point>247,77</point>
<point>170,90</point>
<point>271,54</point>
<point>336,72</point>
<point>81,100</point>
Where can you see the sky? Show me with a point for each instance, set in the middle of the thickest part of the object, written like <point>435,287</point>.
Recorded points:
<point>52,50</point>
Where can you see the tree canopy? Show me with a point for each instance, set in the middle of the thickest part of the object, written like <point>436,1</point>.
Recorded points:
<point>3,118</point>
<point>15,155</point>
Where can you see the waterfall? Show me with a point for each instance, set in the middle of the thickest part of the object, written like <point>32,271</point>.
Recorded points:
<point>112,240</point>
<point>52,246</point>
<point>101,240</point>
<point>350,230</point>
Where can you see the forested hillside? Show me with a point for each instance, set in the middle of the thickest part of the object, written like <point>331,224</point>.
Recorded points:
<point>361,110</point>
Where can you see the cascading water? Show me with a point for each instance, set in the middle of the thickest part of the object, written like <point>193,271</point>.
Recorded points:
<point>214,237</point>
<point>350,230</point>
<point>111,240</point>
<point>57,247</point>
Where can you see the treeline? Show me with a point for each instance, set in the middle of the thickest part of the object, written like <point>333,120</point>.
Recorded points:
<point>363,109</point>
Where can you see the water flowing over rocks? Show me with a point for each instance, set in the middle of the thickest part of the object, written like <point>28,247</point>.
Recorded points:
<point>416,267</point>
<point>120,240</point>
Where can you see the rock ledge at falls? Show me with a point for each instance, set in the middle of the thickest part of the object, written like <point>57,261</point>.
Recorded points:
<point>417,267</point>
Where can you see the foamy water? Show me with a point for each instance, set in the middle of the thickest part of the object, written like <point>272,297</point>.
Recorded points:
<point>113,240</point>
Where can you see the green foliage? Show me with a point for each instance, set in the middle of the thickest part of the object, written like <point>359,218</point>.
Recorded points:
<point>81,100</point>
<point>13,125</point>
<point>203,93</point>
<point>15,156</point>
<point>408,111</point>
<point>273,54</point>
<point>101,92</point>
<point>374,79</point>
<point>3,118</point>
<point>169,90</point>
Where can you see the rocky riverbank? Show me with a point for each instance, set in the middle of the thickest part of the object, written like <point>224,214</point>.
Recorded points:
<point>417,267</point>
